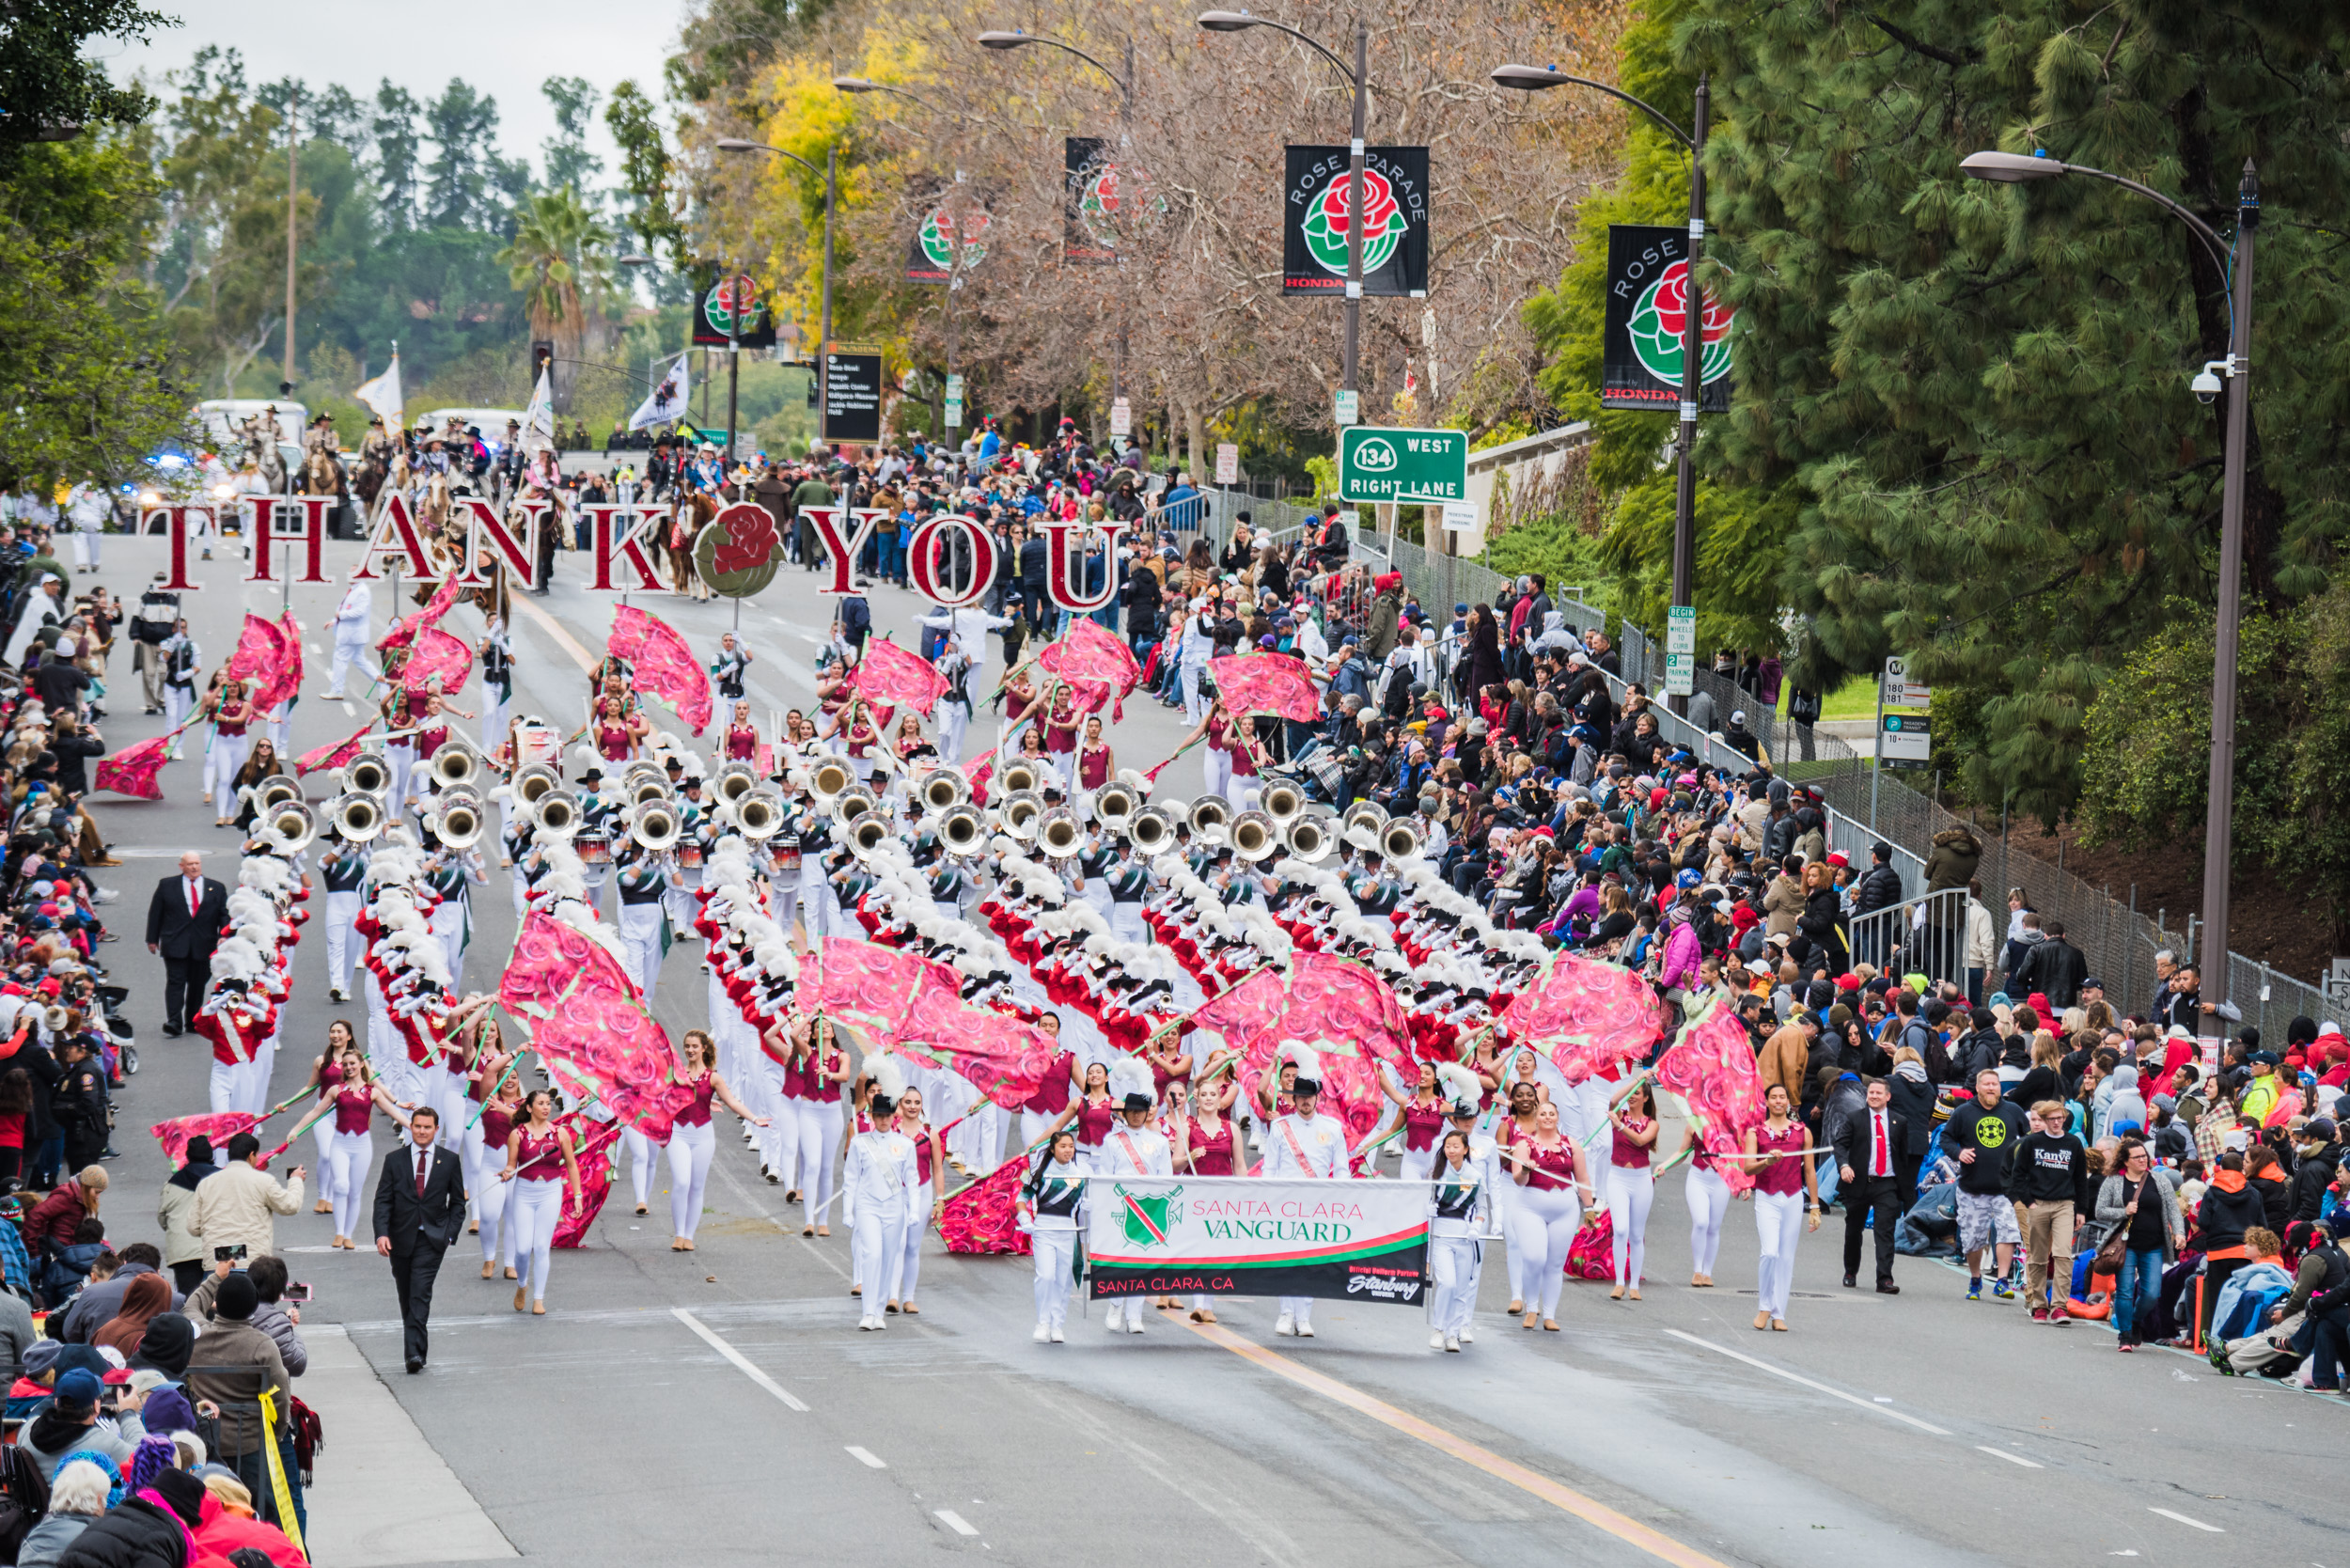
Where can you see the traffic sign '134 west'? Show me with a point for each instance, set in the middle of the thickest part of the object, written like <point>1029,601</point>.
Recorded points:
<point>1382,464</point>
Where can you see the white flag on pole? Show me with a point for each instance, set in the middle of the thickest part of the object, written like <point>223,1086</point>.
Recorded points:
<point>538,419</point>
<point>383,395</point>
<point>669,398</point>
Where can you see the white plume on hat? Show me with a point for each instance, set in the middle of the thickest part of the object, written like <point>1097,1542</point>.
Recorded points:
<point>1460,1088</point>
<point>1130,1077</point>
<point>1309,1061</point>
<point>889,1079</point>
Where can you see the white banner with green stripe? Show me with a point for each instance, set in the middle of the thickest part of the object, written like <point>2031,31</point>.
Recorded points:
<point>1248,1235</point>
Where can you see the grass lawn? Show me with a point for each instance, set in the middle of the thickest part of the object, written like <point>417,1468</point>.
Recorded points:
<point>1857,699</point>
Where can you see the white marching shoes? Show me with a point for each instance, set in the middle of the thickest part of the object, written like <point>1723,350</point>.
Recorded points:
<point>1453,1342</point>
<point>1436,1341</point>
<point>1057,1337</point>
<point>1305,1330</point>
<point>1043,1332</point>
<point>1285,1324</point>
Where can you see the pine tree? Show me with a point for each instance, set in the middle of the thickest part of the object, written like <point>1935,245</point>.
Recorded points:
<point>1980,392</point>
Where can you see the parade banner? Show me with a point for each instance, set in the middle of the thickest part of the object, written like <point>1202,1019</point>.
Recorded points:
<point>1395,222</point>
<point>662,664</point>
<point>901,1002</point>
<point>1279,684</point>
<point>259,654</point>
<point>1090,210</point>
<point>403,630</point>
<point>588,1022</point>
<point>732,310</point>
<point>137,770</point>
<point>287,682</point>
<point>931,253</point>
<point>1711,1066</point>
<point>1248,1236</point>
<point>437,656</point>
<point>1648,298</point>
<point>1587,1016</point>
<point>334,754</point>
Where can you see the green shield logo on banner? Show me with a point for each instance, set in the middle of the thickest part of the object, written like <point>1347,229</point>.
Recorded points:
<point>1147,1219</point>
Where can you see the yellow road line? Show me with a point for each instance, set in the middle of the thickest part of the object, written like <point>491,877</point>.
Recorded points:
<point>555,628</point>
<point>1589,1510</point>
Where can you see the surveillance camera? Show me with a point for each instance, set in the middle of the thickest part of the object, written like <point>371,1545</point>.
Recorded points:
<point>2205,385</point>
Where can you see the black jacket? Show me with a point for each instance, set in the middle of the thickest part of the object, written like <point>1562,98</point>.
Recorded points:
<point>170,927</point>
<point>2054,967</point>
<point>1913,1100</point>
<point>2311,1179</point>
<point>2222,1218</point>
<point>73,753</point>
<point>2049,1170</point>
<point>136,1534</point>
<point>436,1218</point>
<point>1853,1138</point>
<point>1880,888</point>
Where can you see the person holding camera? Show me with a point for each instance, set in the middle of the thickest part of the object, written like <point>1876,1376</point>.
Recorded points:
<point>236,1207</point>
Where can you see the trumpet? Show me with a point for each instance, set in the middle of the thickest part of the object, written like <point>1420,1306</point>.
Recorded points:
<point>850,805</point>
<point>1284,802</point>
<point>1059,833</point>
<point>1020,776</point>
<point>866,834</point>
<point>458,825</point>
<point>1151,829</point>
<point>1208,813</point>
<point>556,813</point>
<point>534,781</point>
<point>759,814</point>
<point>370,772</point>
<point>276,790</point>
<point>357,816</point>
<point>1020,811</point>
<point>290,826</point>
<point>830,779</point>
<point>656,828</point>
<point>1367,815</point>
<point>944,787</point>
<point>734,781</point>
<point>1308,839</point>
<point>962,830</point>
<point>1254,836</point>
<point>1114,802</point>
<point>456,765</point>
<point>1400,840</point>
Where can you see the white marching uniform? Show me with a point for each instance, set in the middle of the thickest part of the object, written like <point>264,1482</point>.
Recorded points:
<point>352,619</point>
<point>878,1182</point>
<point>1136,1151</point>
<point>1056,1198</point>
<point>1305,1145</point>
<point>1460,1206</point>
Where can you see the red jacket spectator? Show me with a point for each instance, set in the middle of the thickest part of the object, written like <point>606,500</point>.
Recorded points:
<point>226,1530</point>
<point>60,1213</point>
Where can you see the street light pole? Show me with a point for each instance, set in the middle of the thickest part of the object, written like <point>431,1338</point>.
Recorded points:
<point>831,172</point>
<point>1358,79</point>
<point>2235,272</point>
<point>294,176</point>
<point>1534,79</point>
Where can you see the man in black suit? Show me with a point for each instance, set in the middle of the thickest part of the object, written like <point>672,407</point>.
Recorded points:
<point>1869,1161</point>
<point>183,923</point>
<point>420,1213</point>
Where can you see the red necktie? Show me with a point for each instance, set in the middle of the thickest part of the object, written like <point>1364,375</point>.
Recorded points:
<point>194,904</point>
<point>1880,1169</point>
<point>421,1158</point>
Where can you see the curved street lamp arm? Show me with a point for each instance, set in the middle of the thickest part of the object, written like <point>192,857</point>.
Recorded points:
<point>1343,69</point>
<point>2210,237</point>
<point>794,156</point>
<point>1648,109</point>
<point>1124,87</point>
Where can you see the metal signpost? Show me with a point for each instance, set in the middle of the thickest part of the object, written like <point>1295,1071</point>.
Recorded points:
<point>1681,650</point>
<point>1904,728</point>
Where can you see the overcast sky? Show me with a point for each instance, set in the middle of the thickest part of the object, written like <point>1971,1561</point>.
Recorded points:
<point>505,51</point>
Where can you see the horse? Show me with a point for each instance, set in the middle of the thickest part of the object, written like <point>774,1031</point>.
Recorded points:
<point>692,513</point>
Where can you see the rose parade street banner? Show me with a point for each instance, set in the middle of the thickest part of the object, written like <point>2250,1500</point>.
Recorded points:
<point>1234,1235</point>
<point>1395,221</point>
<point>1648,297</point>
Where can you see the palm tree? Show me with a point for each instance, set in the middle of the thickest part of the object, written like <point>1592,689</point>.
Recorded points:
<point>559,265</point>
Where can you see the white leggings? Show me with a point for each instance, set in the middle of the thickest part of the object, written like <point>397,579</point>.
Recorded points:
<point>497,1200</point>
<point>345,1174</point>
<point>1418,1163</point>
<point>534,1211</point>
<point>323,1130</point>
<point>640,1150</point>
<point>820,1140</point>
<point>1056,1254</point>
<point>1630,1192</point>
<point>779,1141</point>
<point>910,1256</point>
<point>221,764</point>
<point>1778,1220</point>
<point>1543,1225</point>
<point>690,1152</point>
<point>1452,1271</point>
<point>1708,1198</point>
<point>880,1249</point>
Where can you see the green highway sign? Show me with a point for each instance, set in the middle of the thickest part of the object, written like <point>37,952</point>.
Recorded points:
<point>1376,464</point>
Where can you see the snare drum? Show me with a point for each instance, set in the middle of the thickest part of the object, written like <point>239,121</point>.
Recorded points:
<point>783,850</point>
<point>593,846</point>
<point>689,856</point>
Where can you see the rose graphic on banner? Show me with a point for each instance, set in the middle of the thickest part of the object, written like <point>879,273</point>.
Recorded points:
<point>933,256</point>
<point>1660,319</point>
<point>588,1022</point>
<point>1587,1016</point>
<point>436,656</point>
<point>1340,1008</point>
<point>1383,223</point>
<point>1097,667</point>
<point>1267,683</point>
<point>889,676</point>
<point>1711,1066</point>
<point>662,664</point>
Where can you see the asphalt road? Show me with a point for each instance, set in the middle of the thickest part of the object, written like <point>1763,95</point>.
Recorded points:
<point>722,1407</point>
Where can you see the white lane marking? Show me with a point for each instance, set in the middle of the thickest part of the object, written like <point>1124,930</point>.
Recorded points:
<point>2181,1518</point>
<point>2011,1458</point>
<point>868,1458</point>
<point>961,1525</point>
<point>350,711</point>
<point>1795,1377</point>
<point>736,1356</point>
<point>316,652</point>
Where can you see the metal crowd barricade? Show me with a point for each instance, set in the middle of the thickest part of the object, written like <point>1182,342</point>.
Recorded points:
<point>1922,936</point>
